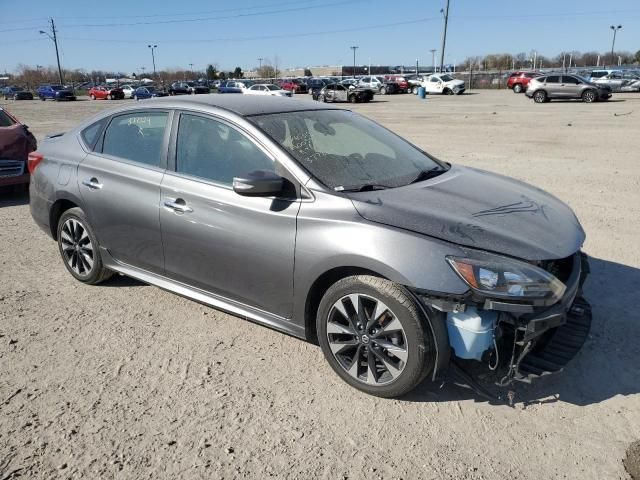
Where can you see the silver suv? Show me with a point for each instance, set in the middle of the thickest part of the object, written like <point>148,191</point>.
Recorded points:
<point>565,86</point>
<point>318,222</point>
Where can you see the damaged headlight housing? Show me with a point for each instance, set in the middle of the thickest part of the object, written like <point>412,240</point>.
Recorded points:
<point>502,277</point>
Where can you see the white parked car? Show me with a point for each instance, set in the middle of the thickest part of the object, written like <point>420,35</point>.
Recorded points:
<point>128,90</point>
<point>443,83</point>
<point>374,83</point>
<point>267,89</point>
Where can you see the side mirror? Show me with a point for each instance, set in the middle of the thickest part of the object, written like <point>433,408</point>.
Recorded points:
<point>259,183</point>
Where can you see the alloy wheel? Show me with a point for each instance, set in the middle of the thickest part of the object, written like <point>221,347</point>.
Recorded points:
<point>76,246</point>
<point>367,339</point>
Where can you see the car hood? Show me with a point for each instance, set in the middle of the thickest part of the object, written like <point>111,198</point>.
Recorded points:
<point>454,82</point>
<point>481,210</point>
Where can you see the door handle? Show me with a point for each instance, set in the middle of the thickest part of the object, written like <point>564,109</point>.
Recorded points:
<point>92,183</point>
<point>177,205</point>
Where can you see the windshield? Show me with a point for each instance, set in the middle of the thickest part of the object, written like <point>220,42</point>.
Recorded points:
<point>5,120</point>
<point>151,89</point>
<point>56,87</point>
<point>343,149</point>
<point>446,78</point>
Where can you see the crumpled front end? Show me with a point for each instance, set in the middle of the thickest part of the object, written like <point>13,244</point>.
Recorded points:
<point>510,340</point>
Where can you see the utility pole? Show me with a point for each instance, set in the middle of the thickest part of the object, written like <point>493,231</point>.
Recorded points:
<point>354,48</point>
<point>260,67</point>
<point>433,59</point>
<point>153,59</point>
<point>416,66</point>
<point>191,66</point>
<point>54,38</point>
<point>445,12</point>
<point>613,43</point>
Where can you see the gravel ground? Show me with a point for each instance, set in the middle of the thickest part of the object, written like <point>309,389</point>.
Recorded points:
<point>128,381</point>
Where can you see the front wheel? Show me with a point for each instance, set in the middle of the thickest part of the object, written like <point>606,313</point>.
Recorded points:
<point>322,98</point>
<point>109,97</point>
<point>517,88</point>
<point>589,96</point>
<point>414,90</point>
<point>375,336</point>
<point>79,248</point>
<point>383,91</point>
<point>92,96</point>
<point>135,97</point>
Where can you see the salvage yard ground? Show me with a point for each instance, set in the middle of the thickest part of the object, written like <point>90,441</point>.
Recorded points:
<point>128,381</point>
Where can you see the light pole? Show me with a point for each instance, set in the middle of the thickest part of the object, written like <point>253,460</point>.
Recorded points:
<point>153,58</point>
<point>613,43</point>
<point>191,66</point>
<point>354,48</point>
<point>445,12</point>
<point>433,59</point>
<point>54,38</point>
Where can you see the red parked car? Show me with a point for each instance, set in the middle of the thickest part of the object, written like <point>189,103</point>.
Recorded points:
<point>402,82</point>
<point>16,145</point>
<point>106,93</point>
<point>518,81</point>
<point>293,85</point>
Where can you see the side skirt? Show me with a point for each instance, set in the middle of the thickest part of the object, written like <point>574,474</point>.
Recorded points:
<point>218,302</point>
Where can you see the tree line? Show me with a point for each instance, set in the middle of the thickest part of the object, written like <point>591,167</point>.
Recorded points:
<point>522,60</point>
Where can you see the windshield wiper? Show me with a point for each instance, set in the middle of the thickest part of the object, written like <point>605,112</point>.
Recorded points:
<point>365,187</point>
<point>427,174</point>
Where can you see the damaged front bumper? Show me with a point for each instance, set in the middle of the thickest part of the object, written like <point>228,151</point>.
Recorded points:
<point>529,340</point>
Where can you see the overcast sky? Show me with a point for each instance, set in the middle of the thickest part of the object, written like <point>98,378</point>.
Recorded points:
<point>114,35</point>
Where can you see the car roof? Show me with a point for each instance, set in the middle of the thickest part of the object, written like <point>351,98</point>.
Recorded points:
<point>243,105</point>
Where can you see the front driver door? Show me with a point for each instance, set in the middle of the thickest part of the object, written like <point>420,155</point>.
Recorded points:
<point>241,248</point>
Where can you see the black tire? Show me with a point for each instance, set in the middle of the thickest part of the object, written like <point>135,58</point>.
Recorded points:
<point>135,97</point>
<point>353,98</point>
<point>417,342</point>
<point>92,97</point>
<point>322,98</point>
<point>414,90</point>
<point>517,88</point>
<point>447,91</point>
<point>383,90</point>
<point>109,97</point>
<point>42,98</point>
<point>540,96</point>
<point>589,96</point>
<point>97,272</point>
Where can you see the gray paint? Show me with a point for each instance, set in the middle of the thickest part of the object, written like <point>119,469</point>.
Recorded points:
<point>259,257</point>
<point>481,210</point>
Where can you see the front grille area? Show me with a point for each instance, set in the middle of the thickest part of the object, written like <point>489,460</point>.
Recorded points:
<point>11,168</point>
<point>561,268</point>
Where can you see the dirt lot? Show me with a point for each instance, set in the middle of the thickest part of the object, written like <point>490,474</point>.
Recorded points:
<point>128,381</point>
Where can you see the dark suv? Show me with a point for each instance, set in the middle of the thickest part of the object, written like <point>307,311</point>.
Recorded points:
<point>518,81</point>
<point>55,92</point>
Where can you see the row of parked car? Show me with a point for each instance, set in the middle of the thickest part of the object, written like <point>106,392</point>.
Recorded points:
<point>591,86</point>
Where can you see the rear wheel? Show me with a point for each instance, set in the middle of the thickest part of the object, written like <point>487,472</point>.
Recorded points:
<point>517,88</point>
<point>589,96</point>
<point>383,90</point>
<point>79,248</point>
<point>92,96</point>
<point>374,336</point>
<point>353,98</point>
<point>109,97</point>
<point>540,96</point>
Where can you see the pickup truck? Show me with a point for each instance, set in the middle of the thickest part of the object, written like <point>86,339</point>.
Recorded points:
<point>442,83</point>
<point>335,92</point>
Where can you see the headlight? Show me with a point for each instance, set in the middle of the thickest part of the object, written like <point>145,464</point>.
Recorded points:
<point>502,277</point>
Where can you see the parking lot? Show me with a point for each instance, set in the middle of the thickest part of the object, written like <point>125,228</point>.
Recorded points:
<point>125,380</point>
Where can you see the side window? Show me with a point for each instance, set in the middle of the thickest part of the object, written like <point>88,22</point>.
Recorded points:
<point>435,79</point>
<point>212,150</point>
<point>92,132</point>
<point>570,80</point>
<point>136,136</point>
<point>553,79</point>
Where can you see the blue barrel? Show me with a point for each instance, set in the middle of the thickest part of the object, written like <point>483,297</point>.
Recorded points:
<point>422,93</point>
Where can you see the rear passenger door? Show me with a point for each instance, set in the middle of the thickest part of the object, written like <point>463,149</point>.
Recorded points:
<point>120,186</point>
<point>553,86</point>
